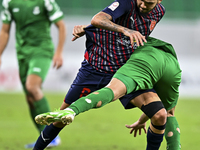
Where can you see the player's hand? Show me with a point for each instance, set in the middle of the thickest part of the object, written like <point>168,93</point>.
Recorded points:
<point>135,127</point>
<point>135,36</point>
<point>57,61</point>
<point>78,31</point>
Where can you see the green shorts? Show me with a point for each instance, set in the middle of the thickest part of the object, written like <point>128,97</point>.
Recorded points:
<point>149,68</point>
<point>38,65</point>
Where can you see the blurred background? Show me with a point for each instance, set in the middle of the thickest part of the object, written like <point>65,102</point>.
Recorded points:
<point>180,26</point>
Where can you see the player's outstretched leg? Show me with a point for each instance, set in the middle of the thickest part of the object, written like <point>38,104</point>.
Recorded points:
<point>65,116</point>
<point>94,100</point>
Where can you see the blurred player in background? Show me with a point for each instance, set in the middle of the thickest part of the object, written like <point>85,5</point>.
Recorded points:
<point>35,49</point>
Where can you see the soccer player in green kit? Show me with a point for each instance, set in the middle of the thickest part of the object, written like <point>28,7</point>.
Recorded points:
<point>35,49</point>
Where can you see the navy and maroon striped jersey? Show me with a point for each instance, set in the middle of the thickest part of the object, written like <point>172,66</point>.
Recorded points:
<point>106,50</point>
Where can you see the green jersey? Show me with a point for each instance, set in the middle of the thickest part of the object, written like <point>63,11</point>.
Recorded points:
<point>32,19</point>
<point>168,48</point>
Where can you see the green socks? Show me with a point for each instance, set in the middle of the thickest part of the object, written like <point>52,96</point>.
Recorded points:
<point>104,96</point>
<point>40,106</point>
<point>172,134</point>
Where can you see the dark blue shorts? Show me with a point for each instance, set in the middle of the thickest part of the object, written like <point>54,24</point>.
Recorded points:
<point>89,80</point>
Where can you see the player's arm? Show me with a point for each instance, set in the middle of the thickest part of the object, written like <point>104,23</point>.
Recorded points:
<point>58,59</point>
<point>138,125</point>
<point>4,37</point>
<point>104,21</point>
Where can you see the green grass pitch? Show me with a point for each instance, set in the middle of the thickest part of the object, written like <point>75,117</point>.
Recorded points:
<point>102,129</point>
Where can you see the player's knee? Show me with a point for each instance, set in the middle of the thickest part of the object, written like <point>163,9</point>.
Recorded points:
<point>30,88</point>
<point>160,117</point>
<point>34,91</point>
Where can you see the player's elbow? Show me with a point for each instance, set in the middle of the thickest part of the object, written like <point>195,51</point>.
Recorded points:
<point>95,21</point>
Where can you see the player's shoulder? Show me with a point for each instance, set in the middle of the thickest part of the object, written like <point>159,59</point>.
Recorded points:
<point>127,4</point>
<point>159,10</point>
<point>160,7</point>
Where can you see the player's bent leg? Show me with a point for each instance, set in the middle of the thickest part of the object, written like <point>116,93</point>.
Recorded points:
<point>37,102</point>
<point>96,99</point>
<point>151,105</point>
<point>104,95</point>
<point>156,130</point>
<point>33,86</point>
<point>157,113</point>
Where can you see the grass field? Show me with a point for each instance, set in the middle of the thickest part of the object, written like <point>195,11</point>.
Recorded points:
<point>102,129</point>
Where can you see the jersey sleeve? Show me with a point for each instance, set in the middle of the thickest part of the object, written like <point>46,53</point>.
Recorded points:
<point>118,8</point>
<point>6,16</point>
<point>54,12</point>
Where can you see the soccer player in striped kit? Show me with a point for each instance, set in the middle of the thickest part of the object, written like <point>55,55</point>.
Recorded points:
<point>107,50</point>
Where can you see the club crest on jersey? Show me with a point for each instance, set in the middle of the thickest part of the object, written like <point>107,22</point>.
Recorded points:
<point>15,10</point>
<point>36,10</point>
<point>152,25</point>
<point>113,6</point>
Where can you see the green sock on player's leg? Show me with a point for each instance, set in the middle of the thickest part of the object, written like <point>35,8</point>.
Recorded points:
<point>40,106</point>
<point>105,95</point>
<point>172,134</point>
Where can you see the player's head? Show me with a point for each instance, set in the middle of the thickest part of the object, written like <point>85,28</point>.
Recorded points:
<point>147,5</point>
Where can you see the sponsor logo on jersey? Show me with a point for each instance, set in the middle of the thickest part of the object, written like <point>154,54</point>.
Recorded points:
<point>113,6</point>
<point>36,10</point>
<point>15,10</point>
<point>152,25</point>
<point>127,42</point>
<point>132,19</point>
<point>123,41</point>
